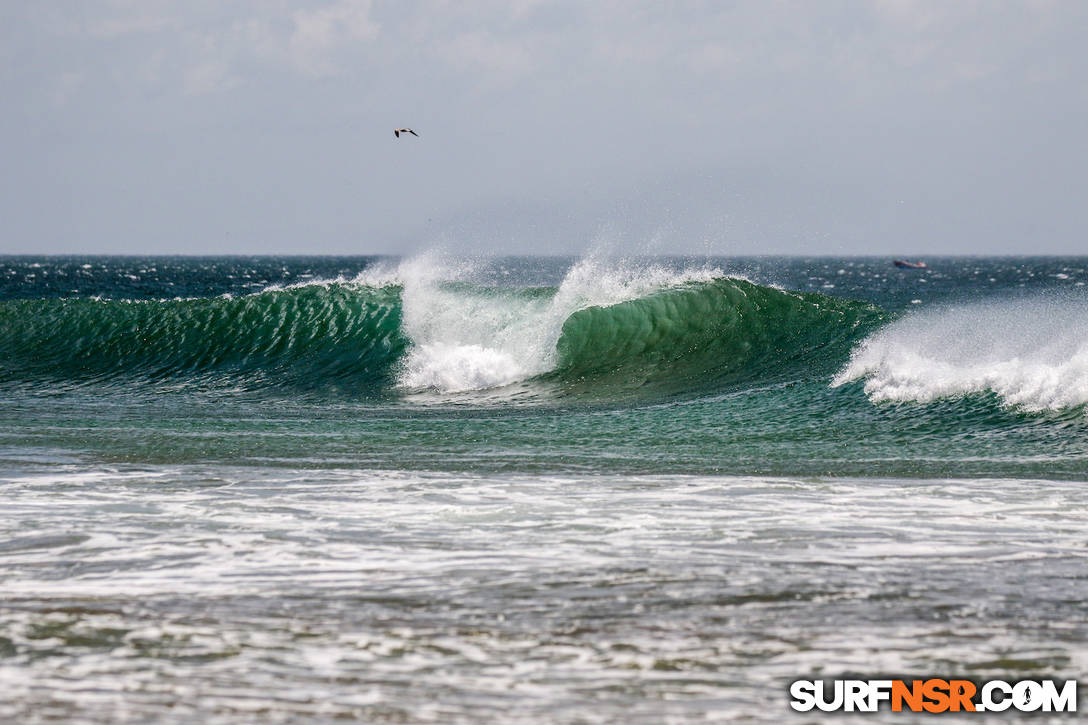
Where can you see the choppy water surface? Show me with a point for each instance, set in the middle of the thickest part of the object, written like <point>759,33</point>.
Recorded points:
<point>532,490</point>
<point>232,592</point>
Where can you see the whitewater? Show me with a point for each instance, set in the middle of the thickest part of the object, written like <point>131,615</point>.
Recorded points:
<point>1032,354</point>
<point>594,489</point>
<point>466,338</point>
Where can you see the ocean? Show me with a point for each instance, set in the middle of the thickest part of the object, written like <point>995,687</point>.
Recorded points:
<point>553,490</point>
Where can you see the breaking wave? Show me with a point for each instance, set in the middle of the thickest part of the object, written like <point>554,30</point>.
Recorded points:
<point>424,325</point>
<point>1032,354</point>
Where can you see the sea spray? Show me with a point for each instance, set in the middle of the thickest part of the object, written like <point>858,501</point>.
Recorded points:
<point>469,337</point>
<point>446,326</point>
<point>705,336</point>
<point>656,529</point>
<point>1031,353</point>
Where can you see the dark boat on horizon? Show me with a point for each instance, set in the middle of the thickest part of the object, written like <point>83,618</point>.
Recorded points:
<point>904,264</point>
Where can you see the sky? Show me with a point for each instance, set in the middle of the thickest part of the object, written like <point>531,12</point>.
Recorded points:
<point>902,127</point>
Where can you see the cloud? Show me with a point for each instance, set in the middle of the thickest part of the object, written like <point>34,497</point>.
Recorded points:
<point>210,75</point>
<point>503,59</point>
<point>568,101</point>
<point>319,34</point>
<point>207,47</point>
<point>67,85</point>
<point>130,24</point>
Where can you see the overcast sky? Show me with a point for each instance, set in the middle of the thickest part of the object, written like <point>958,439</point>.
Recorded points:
<point>266,126</point>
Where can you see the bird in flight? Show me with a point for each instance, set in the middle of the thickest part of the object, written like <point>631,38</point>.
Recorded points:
<point>399,131</point>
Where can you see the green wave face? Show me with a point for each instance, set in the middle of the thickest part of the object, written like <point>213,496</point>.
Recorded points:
<point>308,337</point>
<point>694,338</point>
<point>709,335</point>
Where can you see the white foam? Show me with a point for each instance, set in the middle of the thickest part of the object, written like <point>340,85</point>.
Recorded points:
<point>453,367</point>
<point>472,338</point>
<point>467,338</point>
<point>1032,354</point>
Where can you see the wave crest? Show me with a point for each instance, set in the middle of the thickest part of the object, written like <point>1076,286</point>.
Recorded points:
<point>471,337</point>
<point>710,333</point>
<point>1033,354</point>
<point>424,325</point>
<point>310,336</point>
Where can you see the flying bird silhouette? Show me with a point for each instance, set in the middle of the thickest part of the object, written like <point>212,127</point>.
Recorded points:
<point>399,131</point>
